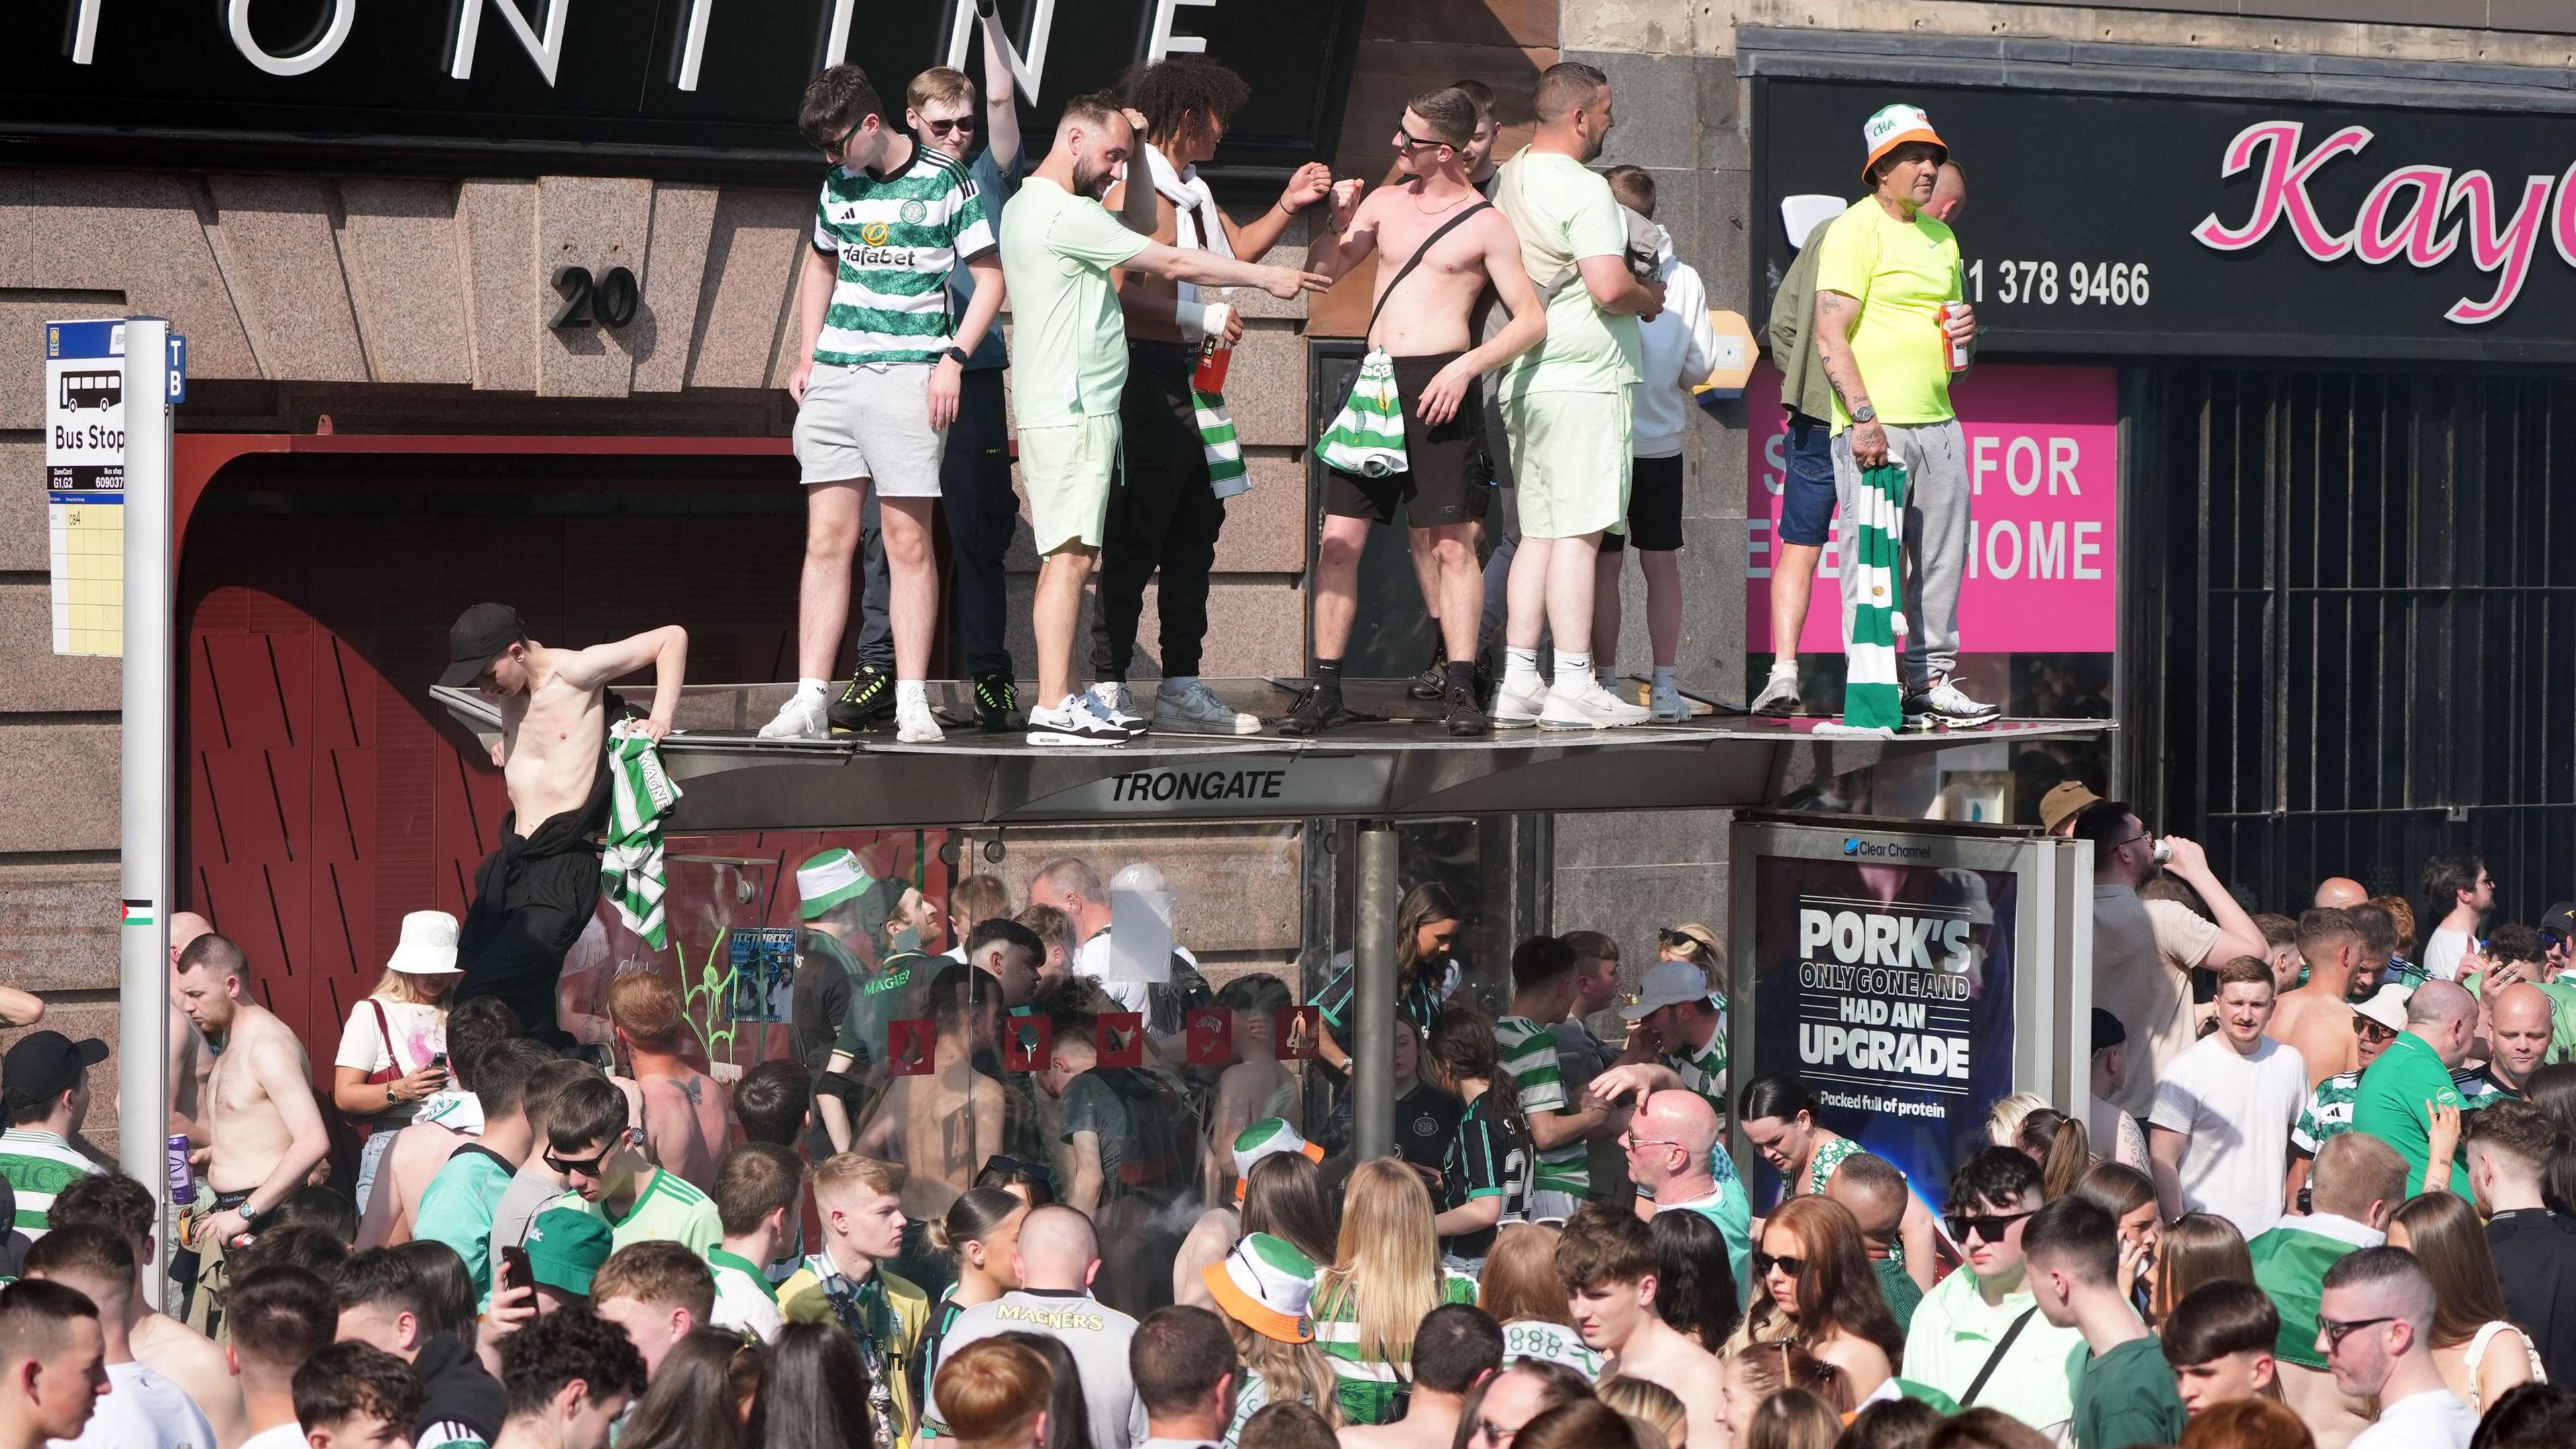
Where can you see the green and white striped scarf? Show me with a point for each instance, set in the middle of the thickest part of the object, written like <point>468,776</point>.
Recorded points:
<point>1367,436</point>
<point>1226,476</point>
<point>1871,699</point>
<point>639,796</point>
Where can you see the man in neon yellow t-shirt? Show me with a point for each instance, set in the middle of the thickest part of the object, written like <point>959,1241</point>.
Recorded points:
<point>1886,272</point>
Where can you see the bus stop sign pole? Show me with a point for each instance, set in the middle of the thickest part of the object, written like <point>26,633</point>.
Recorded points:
<point>152,383</point>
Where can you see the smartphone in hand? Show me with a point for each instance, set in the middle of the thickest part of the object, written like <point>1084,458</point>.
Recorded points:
<point>515,1270</point>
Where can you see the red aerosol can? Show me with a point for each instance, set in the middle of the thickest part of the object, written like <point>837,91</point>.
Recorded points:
<point>1953,348</point>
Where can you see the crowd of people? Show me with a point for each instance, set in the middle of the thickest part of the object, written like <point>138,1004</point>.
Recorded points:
<point>1071,1225</point>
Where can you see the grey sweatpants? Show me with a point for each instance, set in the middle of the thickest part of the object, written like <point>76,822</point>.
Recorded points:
<point>1935,556</point>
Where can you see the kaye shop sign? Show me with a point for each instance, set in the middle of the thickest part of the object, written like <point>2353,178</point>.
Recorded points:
<point>2043,469</point>
<point>2222,228</point>
<point>2422,214</point>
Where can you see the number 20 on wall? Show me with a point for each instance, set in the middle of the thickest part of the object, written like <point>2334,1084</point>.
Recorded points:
<point>2103,284</point>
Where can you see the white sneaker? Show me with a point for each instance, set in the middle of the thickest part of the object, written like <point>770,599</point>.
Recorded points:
<point>1194,711</point>
<point>1112,701</point>
<point>1587,706</point>
<point>1944,703</point>
<point>914,724</point>
<point>1666,704</point>
<point>1072,723</point>
<point>803,717</point>
<point>1779,694</point>
<point>1513,710</point>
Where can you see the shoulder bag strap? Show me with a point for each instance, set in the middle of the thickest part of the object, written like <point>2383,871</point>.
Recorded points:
<point>1415,260</point>
<point>1993,1360</point>
<point>384,1033</point>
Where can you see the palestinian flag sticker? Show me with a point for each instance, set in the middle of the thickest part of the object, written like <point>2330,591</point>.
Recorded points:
<point>138,913</point>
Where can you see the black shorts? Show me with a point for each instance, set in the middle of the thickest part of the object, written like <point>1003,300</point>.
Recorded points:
<point>1654,507</point>
<point>1444,478</point>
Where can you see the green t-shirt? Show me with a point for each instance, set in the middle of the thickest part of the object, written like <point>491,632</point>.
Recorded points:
<point>2328,1112</point>
<point>2562,1020</point>
<point>2290,1263</point>
<point>2390,1106</point>
<point>896,239</point>
<point>2126,1397</point>
<point>1899,1289</point>
<point>669,1209</point>
<point>1068,342</point>
<point>1366,1387</point>
<point>1529,1054</point>
<point>457,1207</point>
<point>1900,272</point>
<point>1564,212</point>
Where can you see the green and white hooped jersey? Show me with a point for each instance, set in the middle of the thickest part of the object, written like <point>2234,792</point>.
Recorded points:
<point>1553,1342</point>
<point>1529,1054</point>
<point>897,238</point>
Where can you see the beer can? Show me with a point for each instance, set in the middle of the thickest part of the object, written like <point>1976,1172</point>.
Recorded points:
<point>183,1185</point>
<point>1957,350</point>
<point>1215,357</point>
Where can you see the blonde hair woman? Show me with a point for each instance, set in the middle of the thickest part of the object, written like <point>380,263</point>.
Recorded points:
<point>1263,1290</point>
<point>393,1049</point>
<point>1385,1279</point>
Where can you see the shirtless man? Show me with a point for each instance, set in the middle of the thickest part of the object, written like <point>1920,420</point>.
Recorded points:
<point>1427,327</point>
<point>190,1062</point>
<point>119,1205</point>
<point>2317,1018</point>
<point>943,1125</point>
<point>1607,1258</point>
<point>263,1123</point>
<point>688,1119</point>
<point>534,895</point>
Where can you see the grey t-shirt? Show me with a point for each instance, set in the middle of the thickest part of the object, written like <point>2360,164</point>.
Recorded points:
<point>532,1189</point>
<point>1091,1105</point>
<point>1096,1334</point>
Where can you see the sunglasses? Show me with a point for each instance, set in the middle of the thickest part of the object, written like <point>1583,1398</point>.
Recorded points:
<point>964,125</point>
<point>838,148</point>
<point>1989,1226</point>
<point>1763,1263</point>
<point>2336,1333</point>
<point>592,1166</point>
<point>1407,141</point>
<point>2369,1030</point>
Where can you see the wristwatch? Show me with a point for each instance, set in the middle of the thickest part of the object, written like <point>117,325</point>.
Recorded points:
<point>1864,414</point>
<point>958,355</point>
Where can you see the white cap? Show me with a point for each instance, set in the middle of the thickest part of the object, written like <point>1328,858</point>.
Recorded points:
<point>2387,1006</point>
<point>1669,983</point>
<point>428,945</point>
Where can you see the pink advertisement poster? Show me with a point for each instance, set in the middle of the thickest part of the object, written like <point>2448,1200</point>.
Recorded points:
<point>2043,463</point>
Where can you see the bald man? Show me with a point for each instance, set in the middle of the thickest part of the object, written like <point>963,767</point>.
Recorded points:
<point>1877,1195</point>
<point>2521,1018</point>
<point>1668,1142</point>
<point>2337,893</point>
<point>1057,1258</point>
<point>2413,1076</point>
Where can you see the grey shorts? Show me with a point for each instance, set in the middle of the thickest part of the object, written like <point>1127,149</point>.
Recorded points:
<point>870,422</point>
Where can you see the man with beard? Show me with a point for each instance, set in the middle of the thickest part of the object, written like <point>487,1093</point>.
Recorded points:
<point>1058,246</point>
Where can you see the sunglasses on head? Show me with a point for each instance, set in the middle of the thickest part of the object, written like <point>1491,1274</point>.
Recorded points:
<point>1989,1226</point>
<point>1763,1263</point>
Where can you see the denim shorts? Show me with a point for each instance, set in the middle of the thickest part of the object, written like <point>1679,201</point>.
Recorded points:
<point>1807,498</point>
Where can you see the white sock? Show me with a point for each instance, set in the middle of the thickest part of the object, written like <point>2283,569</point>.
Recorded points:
<point>1180,684</point>
<point>1570,667</point>
<point>911,692</point>
<point>1664,676</point>
<point>1787,666</point>
<point>1520,669</point>
<point>815,687</point>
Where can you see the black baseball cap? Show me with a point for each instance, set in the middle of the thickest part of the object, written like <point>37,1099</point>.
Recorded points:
<point>2560,921</point>
<point>44,1064</point>
<point>477,635</point>
<point>2107,1030</point>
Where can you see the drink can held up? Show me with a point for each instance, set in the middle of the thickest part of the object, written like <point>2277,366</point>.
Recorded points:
<point>183,1186</point>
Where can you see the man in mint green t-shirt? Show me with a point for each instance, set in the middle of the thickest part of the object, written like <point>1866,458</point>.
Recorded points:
<point>457,1206</point>
<point>1887,272</point>
<point>1069,364</point>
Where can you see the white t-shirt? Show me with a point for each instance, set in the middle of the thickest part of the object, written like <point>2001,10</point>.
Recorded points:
<point>418,1032</point>
<point>1093,960</point>
<point>284,1436</point>
<point>2433,1419</point>
<point>2442,952</point>
<point>2237,1110</point>
<point>143,1410</point>
<point>744,1304</point>
<point>2143,952</point>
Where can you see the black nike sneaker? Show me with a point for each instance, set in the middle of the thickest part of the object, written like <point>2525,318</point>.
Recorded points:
<point>997,703</point>
<point>866,701</point>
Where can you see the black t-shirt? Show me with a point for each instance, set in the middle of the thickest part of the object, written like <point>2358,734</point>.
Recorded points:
<point>2535,1259</point>
<point>818,1005</point>
<point>1487,1156</point>
<point>1425,1119</point>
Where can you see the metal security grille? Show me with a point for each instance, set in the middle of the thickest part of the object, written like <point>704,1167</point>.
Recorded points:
<point>2360,593</point>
